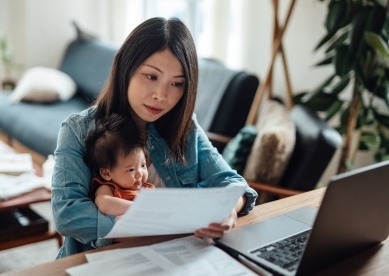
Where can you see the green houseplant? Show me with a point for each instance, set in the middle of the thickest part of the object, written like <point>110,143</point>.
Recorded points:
<point>7,62</point>
<point>357,47</point>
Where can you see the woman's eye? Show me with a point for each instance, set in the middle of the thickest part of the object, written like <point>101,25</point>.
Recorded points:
<point>151,77</point>
<point>178,84</point>
<point>131,170</point>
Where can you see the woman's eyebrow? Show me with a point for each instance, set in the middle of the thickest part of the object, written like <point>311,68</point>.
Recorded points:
<point>159,70</point>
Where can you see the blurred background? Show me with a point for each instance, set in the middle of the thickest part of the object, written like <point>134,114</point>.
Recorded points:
<point>238,33</point>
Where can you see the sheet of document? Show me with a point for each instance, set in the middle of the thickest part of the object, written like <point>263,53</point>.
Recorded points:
<point>188,256</point>
<point>140,261</point>
<point>176,211</point>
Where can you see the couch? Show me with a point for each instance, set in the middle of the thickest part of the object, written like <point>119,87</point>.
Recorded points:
<point>87,60</point>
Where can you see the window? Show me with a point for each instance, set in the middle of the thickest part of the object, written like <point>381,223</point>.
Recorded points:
<point>191,12</point>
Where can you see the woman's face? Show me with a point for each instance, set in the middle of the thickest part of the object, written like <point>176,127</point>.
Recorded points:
<point>156,87</point>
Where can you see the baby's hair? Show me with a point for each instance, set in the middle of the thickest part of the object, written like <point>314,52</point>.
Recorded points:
<point>114,136</point>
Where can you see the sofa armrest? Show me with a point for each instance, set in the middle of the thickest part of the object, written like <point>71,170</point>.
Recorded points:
<point>218,138</point>
<point>273,190</point>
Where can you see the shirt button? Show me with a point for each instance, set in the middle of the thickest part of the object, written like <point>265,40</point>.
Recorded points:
<point>168,178</point>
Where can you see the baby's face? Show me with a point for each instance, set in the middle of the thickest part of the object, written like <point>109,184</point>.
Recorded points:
<point>131,171</point>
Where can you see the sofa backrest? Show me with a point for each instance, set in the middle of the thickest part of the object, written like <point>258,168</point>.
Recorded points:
<point>226,96</point>
<point>316,143</point>
<point>88,63</point>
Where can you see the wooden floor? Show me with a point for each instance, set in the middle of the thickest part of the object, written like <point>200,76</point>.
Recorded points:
<point>36,157</point>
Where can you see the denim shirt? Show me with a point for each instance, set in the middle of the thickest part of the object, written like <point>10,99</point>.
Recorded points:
<point>77,218</point>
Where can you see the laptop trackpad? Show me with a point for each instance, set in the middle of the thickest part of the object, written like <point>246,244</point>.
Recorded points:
<point>262,233</point>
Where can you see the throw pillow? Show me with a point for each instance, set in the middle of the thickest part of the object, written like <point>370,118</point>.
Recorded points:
<point>273,145</point>
<point>43,85</point>
<point>238,149</point>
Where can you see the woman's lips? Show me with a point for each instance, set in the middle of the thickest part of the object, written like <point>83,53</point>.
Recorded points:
<point>153,110</point>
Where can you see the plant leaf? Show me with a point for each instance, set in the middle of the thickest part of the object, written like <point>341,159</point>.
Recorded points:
<point>335,15</point>
<point>297,97</point>
<point>344,60</point>
<point>318,90</point>
<point>380,2</point>
<point>326,61</point>
<point>382,119</point>
<point>377,43</point>
<point>367,19</point>
<point>383,92</point>
<point>369,141</point>
<point>333,109</point>
<point>321,102</point>
<point>324,40</point>
<point>342,38</point>
<point>341,84</point>
<point>381,157</point>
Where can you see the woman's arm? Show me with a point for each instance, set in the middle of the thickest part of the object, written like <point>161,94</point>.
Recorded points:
<point>108,204</point>
<point>240,204</point>
<point>75,215</point>
<point>215,172</point>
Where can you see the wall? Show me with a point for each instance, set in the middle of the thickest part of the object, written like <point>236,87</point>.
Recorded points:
<point>39,30</point>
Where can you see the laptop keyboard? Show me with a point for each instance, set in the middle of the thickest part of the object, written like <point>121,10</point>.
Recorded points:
<point>285,253</point>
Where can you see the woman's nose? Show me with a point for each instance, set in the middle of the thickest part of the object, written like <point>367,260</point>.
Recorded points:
<point>160,94</point>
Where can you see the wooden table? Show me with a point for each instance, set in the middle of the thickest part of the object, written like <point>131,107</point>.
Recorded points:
<point>35,196</point>
<point>370,262</point>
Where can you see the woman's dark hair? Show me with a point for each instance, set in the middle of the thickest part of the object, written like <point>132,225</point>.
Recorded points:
<point>155,35</point>
<point>114,136</point>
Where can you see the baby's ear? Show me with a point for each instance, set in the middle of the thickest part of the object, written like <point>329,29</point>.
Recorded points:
<point>104,173</point>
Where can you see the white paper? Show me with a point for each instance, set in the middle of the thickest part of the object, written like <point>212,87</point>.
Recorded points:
<point>189,256</point>
<point>197,257</point>
<point>140,261</point>
<point>11,185</point>
<point>15,163</point>
<point>176,211</point>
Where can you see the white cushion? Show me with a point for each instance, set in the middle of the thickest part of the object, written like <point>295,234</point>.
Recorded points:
<point>43,85</point>
<point>273,145</point>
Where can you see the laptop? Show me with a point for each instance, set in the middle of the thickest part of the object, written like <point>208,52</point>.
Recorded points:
<point>352,217</point>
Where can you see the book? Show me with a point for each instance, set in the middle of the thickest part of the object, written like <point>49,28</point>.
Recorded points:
<point>15,163</point>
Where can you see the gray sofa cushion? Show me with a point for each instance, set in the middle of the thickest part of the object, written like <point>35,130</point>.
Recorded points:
<point>88,62</point>
<point>36,125</point>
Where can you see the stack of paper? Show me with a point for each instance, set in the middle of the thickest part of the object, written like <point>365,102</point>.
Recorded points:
<point>186,256</point>
<point>15,163</point>
<point>11,185</point>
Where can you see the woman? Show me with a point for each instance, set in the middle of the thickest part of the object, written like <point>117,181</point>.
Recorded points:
<point>154,79</point>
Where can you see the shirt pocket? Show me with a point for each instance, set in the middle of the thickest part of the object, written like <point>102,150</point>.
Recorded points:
<point>189,176</point>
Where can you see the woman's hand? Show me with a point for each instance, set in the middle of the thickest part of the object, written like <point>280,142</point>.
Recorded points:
<point>217,230</point>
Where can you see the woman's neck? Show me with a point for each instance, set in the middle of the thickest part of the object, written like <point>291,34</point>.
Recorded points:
<point>141,124</point>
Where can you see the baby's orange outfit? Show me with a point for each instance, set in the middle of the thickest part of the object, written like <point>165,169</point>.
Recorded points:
<point>118,191</point>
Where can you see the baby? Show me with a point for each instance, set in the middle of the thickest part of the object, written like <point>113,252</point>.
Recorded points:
<point>117,154</point>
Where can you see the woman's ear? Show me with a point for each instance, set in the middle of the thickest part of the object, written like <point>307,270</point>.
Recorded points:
<point>104,173</point>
